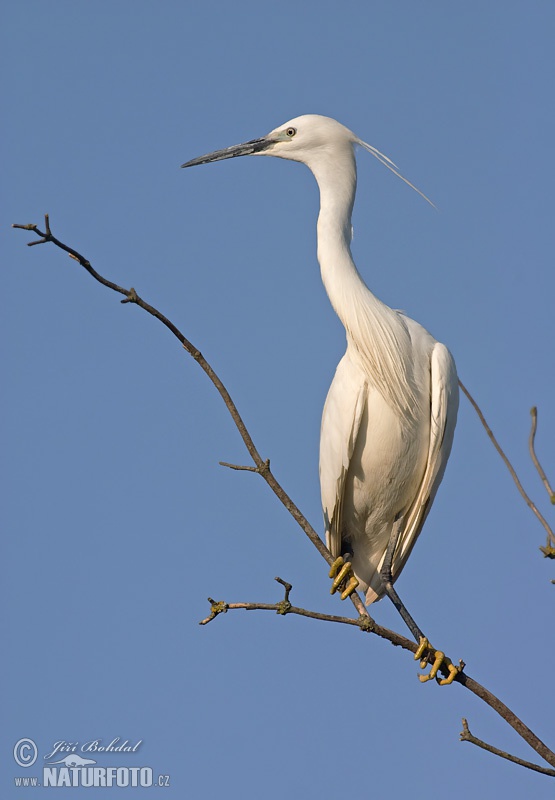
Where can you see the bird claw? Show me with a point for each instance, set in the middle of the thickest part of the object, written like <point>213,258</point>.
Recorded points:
<point>440,659</point>
<point>340,571</point>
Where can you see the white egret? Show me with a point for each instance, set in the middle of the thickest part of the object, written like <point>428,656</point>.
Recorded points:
<point>390,413</point>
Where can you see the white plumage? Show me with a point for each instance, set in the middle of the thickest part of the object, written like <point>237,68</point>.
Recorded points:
<point>390,414</point>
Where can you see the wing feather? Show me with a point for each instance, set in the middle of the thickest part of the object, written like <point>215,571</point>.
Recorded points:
<point>444,402</point>
<point>341,418</point>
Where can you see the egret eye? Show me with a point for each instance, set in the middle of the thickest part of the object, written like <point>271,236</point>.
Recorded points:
<point>290,132</point>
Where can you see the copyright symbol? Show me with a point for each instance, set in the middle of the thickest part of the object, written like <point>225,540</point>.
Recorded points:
<point>25,752</point>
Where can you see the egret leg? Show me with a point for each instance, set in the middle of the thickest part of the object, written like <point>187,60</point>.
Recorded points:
<point>424,645</point>
<point>387,580</point>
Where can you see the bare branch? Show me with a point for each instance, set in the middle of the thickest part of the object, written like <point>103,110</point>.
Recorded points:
<point>364,621</point>
<point>538,466</point>
<point>370,626</point>
<point>466,736</point>
<point>262,467</point>
<point>514,476</point>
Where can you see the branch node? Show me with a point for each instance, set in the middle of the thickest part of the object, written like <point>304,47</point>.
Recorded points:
<point>264,468</point>
<point>465,733</point>
<point>548,551</point>
<point>365,623</point>
<point>216,607</point>
<point>131,296</point>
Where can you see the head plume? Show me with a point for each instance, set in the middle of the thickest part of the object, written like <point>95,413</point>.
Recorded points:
<point>387,162</point>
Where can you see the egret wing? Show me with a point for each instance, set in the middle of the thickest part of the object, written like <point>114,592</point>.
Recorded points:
<point>444,402</point>
<point>341,418</point>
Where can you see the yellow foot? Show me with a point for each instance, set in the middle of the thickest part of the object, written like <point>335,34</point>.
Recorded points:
<point>340,570</point>
<point>440,659</point>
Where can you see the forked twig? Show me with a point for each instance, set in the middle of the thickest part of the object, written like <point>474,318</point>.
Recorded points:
<point>263,468</point>
<point>514,476</point>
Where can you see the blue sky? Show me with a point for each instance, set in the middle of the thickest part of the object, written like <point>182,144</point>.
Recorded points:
<point>118,520</point>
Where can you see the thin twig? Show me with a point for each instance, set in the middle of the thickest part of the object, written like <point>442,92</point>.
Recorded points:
<point>241,468</point>
<point>466,736</point>
<point>514,476</point>
<point>364,622</point>
<point>277,607</point>
<point>538,466</point>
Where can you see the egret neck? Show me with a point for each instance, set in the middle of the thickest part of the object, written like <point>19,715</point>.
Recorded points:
<point>377,335</point>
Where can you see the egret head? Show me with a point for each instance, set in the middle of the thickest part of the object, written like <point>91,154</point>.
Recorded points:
<point>300,139</point>
<point>309,139</point>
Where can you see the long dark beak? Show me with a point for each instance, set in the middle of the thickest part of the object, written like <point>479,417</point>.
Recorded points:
<point>245,149</point>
